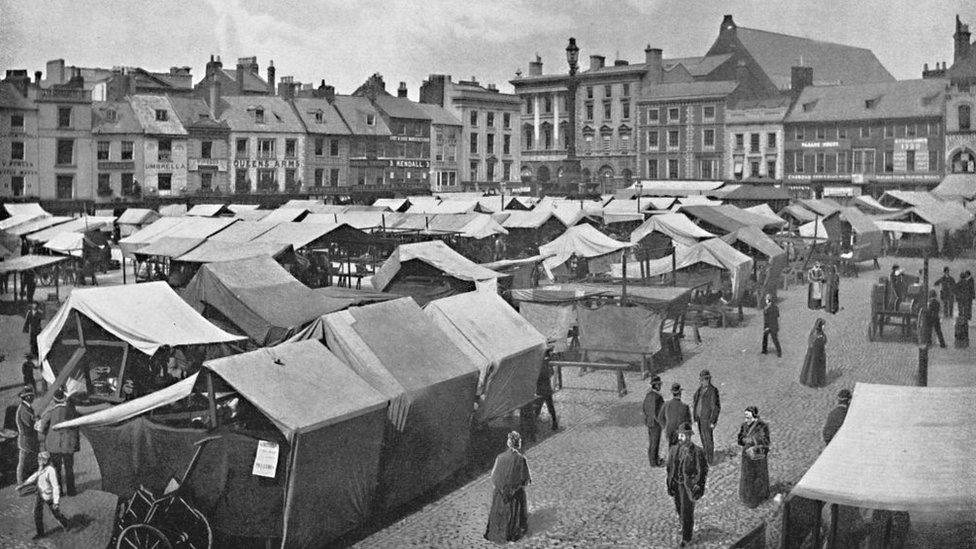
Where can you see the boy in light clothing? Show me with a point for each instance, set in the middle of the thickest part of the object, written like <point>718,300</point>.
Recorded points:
<point>48,493</point>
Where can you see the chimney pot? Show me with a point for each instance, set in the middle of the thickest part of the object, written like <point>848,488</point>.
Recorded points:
<point>653,61</point>
<point>37,77</point>
<point>271,78</point>
<point>597,62</point>
<point>402,90</point>
<point>535,67</point>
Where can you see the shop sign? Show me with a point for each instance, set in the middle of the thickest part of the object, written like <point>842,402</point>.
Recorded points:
<point>818,177</point>
<point>820,144</point>
<point>907,177</point>
<point>920,144</point>
<point>17,167</point>
<point>421,164</point>
<point>409,138</point>
<point>840,191</point>
<point>267,163</point>
<point>116,165</point>
<point>165,166</point>
<point>218,164</point>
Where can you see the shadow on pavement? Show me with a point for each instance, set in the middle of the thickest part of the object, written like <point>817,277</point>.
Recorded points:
<point>833,375</point>
<point>541,520</point>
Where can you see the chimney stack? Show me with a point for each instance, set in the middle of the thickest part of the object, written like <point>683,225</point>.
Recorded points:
<point>728,26</point>
<point>287,87</point>
<point>402,90</point>
<point>213,66</point>
<point>535,67</point>
<point>653,60</point>
<point>962,41</point>
<point>597,62</point>
<point>800,77</point>
<point>271,77</point>
<point>214,98</point>
<point>55,71</point>
<point>37,77</point>
<point>326,92</point>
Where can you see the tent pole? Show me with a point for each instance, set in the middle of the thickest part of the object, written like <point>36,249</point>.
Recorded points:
<point>623,291</point>
<point>832,535</point>
<point>57,281</point>
<point>923,328</point>
<point>674,266</point>
<point>211,402</point>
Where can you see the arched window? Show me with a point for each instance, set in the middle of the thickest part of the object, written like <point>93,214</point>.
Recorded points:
<point>547,138</point>
<point>527,142</point>
<point>965,118</point>
<point>963,161</point>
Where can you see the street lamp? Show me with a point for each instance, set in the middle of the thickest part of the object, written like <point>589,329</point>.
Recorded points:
<point>639,186</point>
<point>571,164</point>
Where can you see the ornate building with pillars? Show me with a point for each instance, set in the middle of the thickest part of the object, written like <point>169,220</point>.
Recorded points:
<point>960,103</point>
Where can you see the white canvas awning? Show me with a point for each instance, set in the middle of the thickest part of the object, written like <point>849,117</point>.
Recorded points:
<point>133,408</point>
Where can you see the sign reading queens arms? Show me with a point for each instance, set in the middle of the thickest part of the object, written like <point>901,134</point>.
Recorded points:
<point>267,163</point>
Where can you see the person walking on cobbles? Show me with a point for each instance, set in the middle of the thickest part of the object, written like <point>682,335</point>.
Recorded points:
<point>771,325</point>
<point>48,493</point>
<point>27,443</point>
<point>754,471</point>
<point>508,518</point>
<point>27,371</point>
<point>61,443</point>
<point>814,372</point>
<point>964,292</point>
<point>836,416</point>
<point>543,393</point>
<point>653,404</point>
<point>687,471</point>
<point>947,292</point>
<point>32,325</point>
<point>705,410</point>
<point>673,414</point>
<point>934,320</point>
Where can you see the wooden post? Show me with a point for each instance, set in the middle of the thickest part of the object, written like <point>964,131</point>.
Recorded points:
<point>832,535</point>
<point>623,291</point>
<point>924,330</point>
<point>212,403</point>
<point>674,266</point>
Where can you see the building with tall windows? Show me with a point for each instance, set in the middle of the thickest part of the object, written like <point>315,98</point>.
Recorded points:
<point>489,155</point>
<point>753,147</point>
<point>18,137</point>
<point>267,144</point>
<point>64,141</point>
<point>119,150</point>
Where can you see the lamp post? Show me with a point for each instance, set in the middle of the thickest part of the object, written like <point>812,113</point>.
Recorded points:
<point>640,187</point>
<point>571,165</point>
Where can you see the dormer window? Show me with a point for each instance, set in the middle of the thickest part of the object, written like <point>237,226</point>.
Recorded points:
<point>807,107</point>
<point>259,116</point>
<point>370,119</point>
<point>161,115</point>
<point>319,117</point>
<point>871,103</point>
<point>112,117</point>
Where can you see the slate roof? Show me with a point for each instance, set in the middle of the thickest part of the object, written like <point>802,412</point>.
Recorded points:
<point>125,121</point>
<point>252,82</point>
<point>439,115</point>
<point>685,90</point>
<point>697,66</point>
<point>195,113</point>
<point>145,107</point>
<point>331,123</point>
<point>400,107</point>
<point>238,112</point>
<point>903,99</point>
<point>10,98</point>
<point>354,110</point>
<point>832,63</point>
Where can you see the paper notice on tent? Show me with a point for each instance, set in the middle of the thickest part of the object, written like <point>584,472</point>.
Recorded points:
<point>266,459</point>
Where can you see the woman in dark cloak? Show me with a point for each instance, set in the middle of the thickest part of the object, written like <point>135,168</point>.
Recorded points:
<point>833,293</point>
<point>508,519</point>
<point>754,471</point>
<point>814,373</point>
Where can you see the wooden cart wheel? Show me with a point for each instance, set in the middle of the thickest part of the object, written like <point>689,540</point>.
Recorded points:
<point>202,537</point>
<point>142,536</point>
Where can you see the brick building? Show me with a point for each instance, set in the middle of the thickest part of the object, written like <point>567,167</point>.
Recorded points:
<point>866,138</point>
<point>18,137</point>
<point>489,152</point>
<point>117,82</point>
<point>960,102</point>
<point>445,148</point>
<point>328,142</point>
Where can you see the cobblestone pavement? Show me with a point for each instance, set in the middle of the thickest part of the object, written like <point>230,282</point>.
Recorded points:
<point>592,486</point>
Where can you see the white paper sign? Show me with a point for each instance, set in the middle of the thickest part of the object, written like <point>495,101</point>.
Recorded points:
<point>266,460</point>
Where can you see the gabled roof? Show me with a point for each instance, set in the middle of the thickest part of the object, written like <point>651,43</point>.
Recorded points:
<point>697,66</point>
<point>146,107</point>
<point>310,110</point>
<point>252,82</point>
<point>832,63</point>
<point>114,117</point>
<point>195,113</point>
<point>688,90</point>
<point>439,115</point>
<point>278,114</point>
<point>400,107</point>
<point>886,100</point>
<point>354,110</point>
<point>10,98</point>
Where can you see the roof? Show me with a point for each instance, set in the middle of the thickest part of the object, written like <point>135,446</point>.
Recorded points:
<point>689,90</point>
<point>28,262</point>
<point>299,386</point>
<point>259,296</point>
<point>76,225</point>
<point>765,211</point>
<point>394,204</point>
<point>445,207</point>
<point>885,100</point>
<point>354,111</point>
<point>10,98</point>
<point>169,246</point>
<point>832,63</point>
<point>311,110</point>
<point>821,207</point>
<point>252,81</point>
<point>114,117</point>
<point>957,185</point>
<point>858,220</point>
<point>871,445</point>
<point>137,216</point>
<point>527,219</point>
<point>467,225</point>
<point>299,235</point>
<point>282,215</point>
<point>439,115</point>
<point>207,210</point>
<point>714,251</point>
<point>19,219</point>
<point>356,220</point>
<point>757,192</point>
<point>714,217</point>
<point>757,240</point>
<point>436,254</point>
<point>146,108</point>
<point>668,188</point>
<point>38,224</point>
<point>749,218</point>
<point>676,226</point>
<point>243,231</point>
<point>32,208</point>
<point>195,113</point>
<point>278,115</point>
<point>212,251</point>
<point>798,212</point>
<point>581,240</point>
<point>147,316</point>
<point>172,210</point>
<point>400,107</point>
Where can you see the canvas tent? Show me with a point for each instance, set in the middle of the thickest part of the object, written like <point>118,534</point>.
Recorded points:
<point>675,226</point>
<point>761,245</point>
<point>259,296</point>
<point>860,234</point>
<point>668,188</point>
<point>172,210</point>
<point>134,219</point>
<point>868,204</point>
<point>114,320</point>
<point>872,462</point>
<point>208,210</point>
<point>506,347</point>
<point>712,219</point>
<point>714,252</point>
<point>797,215</point>
<point>582,241</point>
<point>18,219</point>
<point>425,270</point>
<point>283,215</point>
<point>957,185</point>
<point>301,235</point>
<point>26,208</point>
<point>765,211</point>
<point>211,251</point>
<point>430,382</point>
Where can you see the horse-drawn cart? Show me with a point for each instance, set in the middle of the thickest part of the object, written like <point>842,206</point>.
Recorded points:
<point>891,306</point>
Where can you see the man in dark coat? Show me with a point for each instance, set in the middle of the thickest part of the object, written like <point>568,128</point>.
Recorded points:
<point>964,292</point>
<point>543,393</point>
<point>947,292</point>
<point>673,414</point>
<point>706,407</point>
<point>771,325</point>
<point>27,443</point>
<point>61,443</point>
<point>686,473</point>
<point>32,325</point>
<point>934,320</point>
<point>836,416</point>
<point>27,371</point>
<point>653,403</point>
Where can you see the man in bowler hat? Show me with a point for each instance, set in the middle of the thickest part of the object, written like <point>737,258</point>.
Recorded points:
<point>686,473</point>
<point>673,414</point>
<point>706,407</point>
<point>653,403</point>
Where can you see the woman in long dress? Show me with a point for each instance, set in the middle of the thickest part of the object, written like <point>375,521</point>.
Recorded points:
<point>754,471</point>
<point>814,373</point>
<point>508,519</point>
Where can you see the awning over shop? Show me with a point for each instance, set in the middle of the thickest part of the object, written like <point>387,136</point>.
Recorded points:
<point>878,459</point>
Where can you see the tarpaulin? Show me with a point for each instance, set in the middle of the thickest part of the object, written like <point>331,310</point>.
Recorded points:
<point>436,254</point>
<point>28,262</point>
<point>675,226</point>
<point>431,383</point>
<point>878,458</point>
<point>35,225</point>
<point>300,235</point>
<point>508,349</point>
<point>552,320</point>
<point>146,316</point>
<point>244,231</point>
<point>259,296</point>
<point>207,210</point>
<point>66,243</point>
<point>713,252</point>
<point>714,217</point>
<point>867,235</point>
<point>129,409</point>
<point>172,210</point>
<point>169,246</point>
<point>133,219</point>
<point>284,215</point>
<point>630,330</point>
<point>582,241</point>
<point>765,211</point>
<point>762,244</point>
<point>18,219</point>
<point>212,251</point>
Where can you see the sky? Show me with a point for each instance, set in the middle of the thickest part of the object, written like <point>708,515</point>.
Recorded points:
<point>345,41</point>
